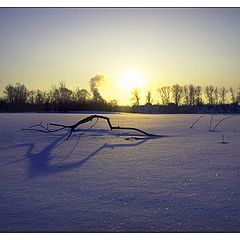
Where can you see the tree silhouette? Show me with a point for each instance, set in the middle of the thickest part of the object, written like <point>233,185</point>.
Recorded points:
<point>177,93</point>
<point>209,91</point>
<point>222,95</point>
<point>165,94</point>
<point>136,97</point>
<point>149,98</point>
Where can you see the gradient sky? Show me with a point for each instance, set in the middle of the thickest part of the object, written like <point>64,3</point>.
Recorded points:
<point>42,46</point>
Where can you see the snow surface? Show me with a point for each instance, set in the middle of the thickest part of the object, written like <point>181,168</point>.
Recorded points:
<point>186,180</point>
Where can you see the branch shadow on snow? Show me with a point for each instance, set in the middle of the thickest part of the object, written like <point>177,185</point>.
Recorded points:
<point>40,162</point>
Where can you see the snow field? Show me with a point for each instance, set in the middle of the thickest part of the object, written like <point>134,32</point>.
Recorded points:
<point>185,180</point>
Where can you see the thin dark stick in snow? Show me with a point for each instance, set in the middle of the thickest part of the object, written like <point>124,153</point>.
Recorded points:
<point>196,121</point>
<point>210,125</point>
<point>222,121</point>
<point>222,138</point>
<point>222,141</point>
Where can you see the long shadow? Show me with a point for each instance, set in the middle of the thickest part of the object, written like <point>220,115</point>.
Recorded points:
<point>39,163</point>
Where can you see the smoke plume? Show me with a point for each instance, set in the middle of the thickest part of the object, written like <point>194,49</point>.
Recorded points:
<point>95,82</point>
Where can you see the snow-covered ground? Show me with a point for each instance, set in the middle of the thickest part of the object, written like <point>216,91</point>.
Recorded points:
<point>185,180</point>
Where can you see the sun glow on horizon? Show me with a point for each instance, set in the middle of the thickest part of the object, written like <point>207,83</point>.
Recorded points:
<point>131,79</point>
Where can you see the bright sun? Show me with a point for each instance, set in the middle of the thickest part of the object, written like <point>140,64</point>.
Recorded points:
<point>131,79</point>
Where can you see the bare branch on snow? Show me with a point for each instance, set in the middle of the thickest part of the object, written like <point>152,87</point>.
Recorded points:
<point>84,120</point>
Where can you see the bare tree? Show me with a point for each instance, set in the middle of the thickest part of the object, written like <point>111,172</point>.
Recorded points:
<point>189,94</point>
<point>149,98</point>
<point>222,95</point>
<point>209,91</point>
<point>136,97</point>
<point>199,95</point>
<point>238,96</point>
<point>21,93</point>
<point>54,94</point>
<point>233,95</point>
<point>114,103</point>
<point>31,97</point>
<point>165,94</point>
<point>82,95</point>
<point>64,93</point>
<point>16,94</point>
<point>215,96</point>
<point>61,94</point>
<point>192,95</point>
<point>185,94</point>
<point>10,93</point>
<point>177,93</point>
<point>40,97</point>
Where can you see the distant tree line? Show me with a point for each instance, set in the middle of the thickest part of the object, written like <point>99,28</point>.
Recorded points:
<point>171,99</point>
<point>189,98</point>
<point>58,99</point>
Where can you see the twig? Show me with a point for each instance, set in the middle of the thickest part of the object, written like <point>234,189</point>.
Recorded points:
<point>210,126</point>
<point>222,121</point>
<point>222,138</point>
<point>196,121</point>
<point>42,128</point>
